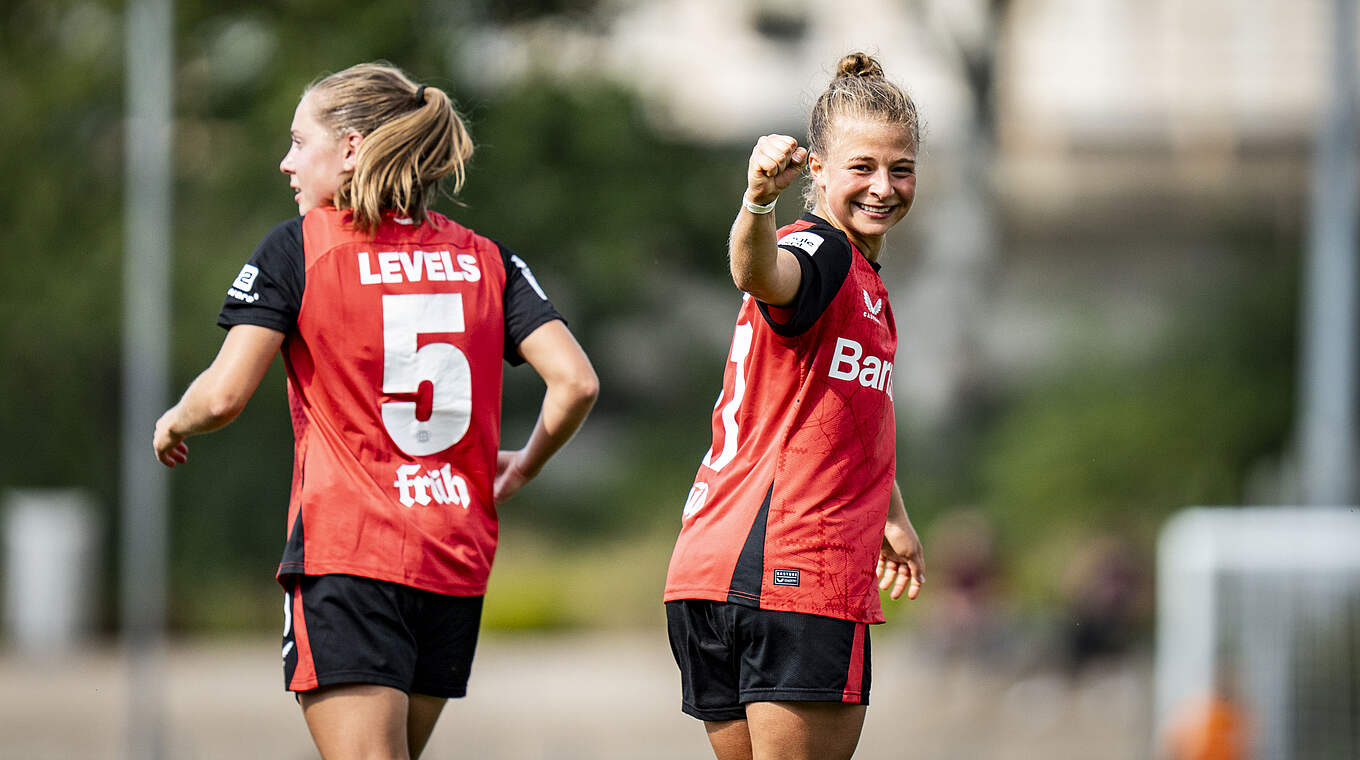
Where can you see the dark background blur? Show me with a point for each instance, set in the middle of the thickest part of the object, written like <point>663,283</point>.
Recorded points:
<point>1097,290</point>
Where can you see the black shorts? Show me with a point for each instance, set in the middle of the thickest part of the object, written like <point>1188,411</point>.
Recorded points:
<point>346,629</point>
<point>730,655</point>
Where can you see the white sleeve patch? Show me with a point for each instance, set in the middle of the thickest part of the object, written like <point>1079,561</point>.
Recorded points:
<point>246,279</point>
<point>808,241</point>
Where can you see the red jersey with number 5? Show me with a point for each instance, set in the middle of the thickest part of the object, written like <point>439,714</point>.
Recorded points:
<point>394,380</point>
<point>788,508</point>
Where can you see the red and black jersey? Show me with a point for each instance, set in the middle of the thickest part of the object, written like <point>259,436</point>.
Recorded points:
<point>788,508</point>
<point>393,349</point>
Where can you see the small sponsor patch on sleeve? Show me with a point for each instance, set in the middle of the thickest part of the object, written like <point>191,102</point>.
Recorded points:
<point>246,279</point>
<point>785,577</point>
<point>698,495</point>
<point>809,242</point>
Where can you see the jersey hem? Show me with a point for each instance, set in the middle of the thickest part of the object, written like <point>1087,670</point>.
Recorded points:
<point>712,713</point>
<point>353,676</point>
<point>792,327</point>
<point>256,319</point>
<point>746,696</point>
<point>517,358</point>
<point>422,584</point>
<point>724,595</point>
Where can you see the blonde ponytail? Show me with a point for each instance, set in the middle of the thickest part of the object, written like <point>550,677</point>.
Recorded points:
<point>413,139</point>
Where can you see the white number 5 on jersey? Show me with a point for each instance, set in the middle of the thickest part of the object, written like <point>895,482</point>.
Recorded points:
<point>741,347</point>
<point>407,364</point>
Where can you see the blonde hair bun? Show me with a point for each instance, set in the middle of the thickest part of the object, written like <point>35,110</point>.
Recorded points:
<point>859,64</point>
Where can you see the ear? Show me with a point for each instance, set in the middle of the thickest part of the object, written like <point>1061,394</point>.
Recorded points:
<point>350,144</point>
<point>816,168</point>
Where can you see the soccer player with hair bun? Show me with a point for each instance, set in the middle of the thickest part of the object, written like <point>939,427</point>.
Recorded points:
<point>393,321</point>
<point>795,520</point>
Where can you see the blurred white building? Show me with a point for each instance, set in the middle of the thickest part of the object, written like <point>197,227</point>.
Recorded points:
<point>1071,188</point>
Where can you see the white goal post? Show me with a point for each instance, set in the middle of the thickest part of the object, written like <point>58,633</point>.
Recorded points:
<point>1268,599</point>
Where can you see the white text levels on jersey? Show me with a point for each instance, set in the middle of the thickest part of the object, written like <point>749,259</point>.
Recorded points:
<point>416,266</point>
<point>850,363</point>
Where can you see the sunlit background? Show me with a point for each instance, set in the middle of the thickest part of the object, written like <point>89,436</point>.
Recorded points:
<point>1103,297</point>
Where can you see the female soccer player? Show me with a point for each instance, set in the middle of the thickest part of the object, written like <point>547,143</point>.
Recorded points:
<point>795,506</point>
<point>393,321</point>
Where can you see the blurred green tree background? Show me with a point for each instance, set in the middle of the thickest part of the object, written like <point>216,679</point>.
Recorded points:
<point>625,225</point>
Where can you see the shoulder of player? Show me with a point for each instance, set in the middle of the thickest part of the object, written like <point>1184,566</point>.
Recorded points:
<point>509,259</point>
<point>443,228</point>
<point>440,232</point>
<point>813,236</point>
<point>287,232</point>
<point>283,241</point>
<point>439,225</point>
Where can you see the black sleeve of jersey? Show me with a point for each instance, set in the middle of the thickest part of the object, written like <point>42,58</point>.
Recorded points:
<point>824,272</point>
<point>268,291</point>
<point>526,306</point>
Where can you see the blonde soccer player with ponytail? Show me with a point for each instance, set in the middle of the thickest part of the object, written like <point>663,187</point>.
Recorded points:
<point>393,322</point>
<point>795,521</point>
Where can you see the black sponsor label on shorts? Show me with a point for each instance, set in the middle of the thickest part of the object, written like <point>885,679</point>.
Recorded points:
<point>785,577</point>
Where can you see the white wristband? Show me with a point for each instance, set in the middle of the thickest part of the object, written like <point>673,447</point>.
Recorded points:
<point>756,208</point>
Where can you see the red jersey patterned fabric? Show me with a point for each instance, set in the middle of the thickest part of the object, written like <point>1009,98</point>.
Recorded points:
<point>399,331</point>
<point>788,507</point>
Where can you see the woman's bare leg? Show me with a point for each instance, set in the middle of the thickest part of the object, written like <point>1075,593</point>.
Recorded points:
<point>804,730</point>
<point>420,719</point>
<point>731,739</point>
<point>357,722</point>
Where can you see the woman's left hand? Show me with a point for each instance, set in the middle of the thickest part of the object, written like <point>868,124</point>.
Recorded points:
<point>901,561</point>
<point>169,447</point>
<point>509,476</point>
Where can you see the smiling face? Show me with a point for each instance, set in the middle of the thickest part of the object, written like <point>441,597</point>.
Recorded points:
<point>866,182</point>
<point>317,161</point>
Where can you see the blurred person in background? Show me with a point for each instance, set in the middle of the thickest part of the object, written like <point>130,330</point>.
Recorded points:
<point>393,322</point>
<point>971,615</point>
<point>795,508</point>
<point>1106,602</point>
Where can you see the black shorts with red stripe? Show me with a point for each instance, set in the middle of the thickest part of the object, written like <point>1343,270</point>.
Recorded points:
<point>347,629</point>
<point>731,655</point>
